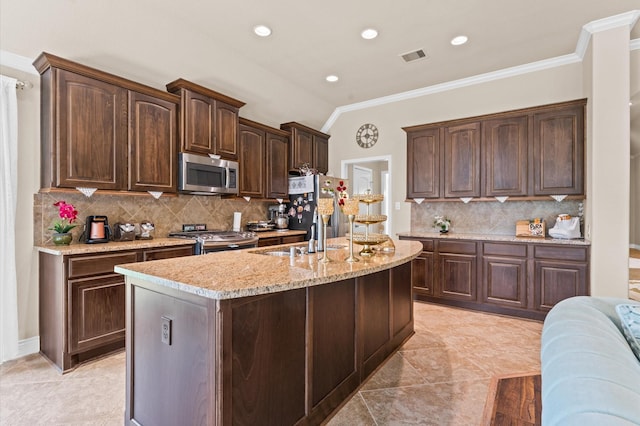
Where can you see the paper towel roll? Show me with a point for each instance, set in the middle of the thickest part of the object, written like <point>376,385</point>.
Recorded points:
<point>237,218</point>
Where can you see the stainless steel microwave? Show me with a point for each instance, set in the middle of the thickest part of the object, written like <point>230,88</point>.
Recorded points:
<point>200,174</point>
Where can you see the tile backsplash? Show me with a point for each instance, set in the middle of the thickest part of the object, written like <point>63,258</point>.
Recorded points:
<point>488,217</point>
<point>168,213</point>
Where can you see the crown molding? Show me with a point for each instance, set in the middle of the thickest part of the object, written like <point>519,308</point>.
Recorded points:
<point>17,62</point>
<point>629,18</point>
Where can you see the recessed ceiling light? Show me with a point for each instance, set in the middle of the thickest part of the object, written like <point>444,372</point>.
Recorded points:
<point>369,34</point>
<point>262,30</point>
<point>457,41</point>
<point>332,78</point>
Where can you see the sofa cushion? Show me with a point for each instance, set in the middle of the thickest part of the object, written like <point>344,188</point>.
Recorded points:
<point>590,376</point>
<point>630,320</point>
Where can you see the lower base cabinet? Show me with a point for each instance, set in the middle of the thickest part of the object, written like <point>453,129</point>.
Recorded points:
<point>82,302</point>
<point>285,239</point>
<point>518,279</point>
<point>285,358</point>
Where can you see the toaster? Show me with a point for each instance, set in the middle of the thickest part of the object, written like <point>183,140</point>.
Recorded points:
<point>124,232</point>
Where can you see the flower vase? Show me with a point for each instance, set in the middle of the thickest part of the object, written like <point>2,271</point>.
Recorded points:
<point>62,239</point>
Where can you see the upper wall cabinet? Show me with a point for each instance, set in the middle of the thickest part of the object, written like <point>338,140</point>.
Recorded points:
<point>528,153</point>
<point>558,151</point>
<point>307,146</point>
<point>263,157</point>
<point>103,131</point>
<point>209,120</point>
<point>505,157</point>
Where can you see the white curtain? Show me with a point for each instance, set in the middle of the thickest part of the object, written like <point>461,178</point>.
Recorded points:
<point>8,202</point>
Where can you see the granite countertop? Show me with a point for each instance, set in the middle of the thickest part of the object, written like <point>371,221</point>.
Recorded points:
<point>82,248</point>
<point>241,273</point>
<point>283,233</point>
<point>493,237</point>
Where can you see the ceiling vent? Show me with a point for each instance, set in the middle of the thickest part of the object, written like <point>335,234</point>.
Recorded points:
<point>414,56</point>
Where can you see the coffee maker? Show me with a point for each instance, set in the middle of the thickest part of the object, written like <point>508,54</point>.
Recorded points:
<point>96,230</point>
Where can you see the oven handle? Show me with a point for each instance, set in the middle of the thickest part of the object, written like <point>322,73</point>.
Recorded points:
<point>233,246</point>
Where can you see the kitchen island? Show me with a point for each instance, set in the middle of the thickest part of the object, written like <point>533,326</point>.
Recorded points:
<point>251,337</point>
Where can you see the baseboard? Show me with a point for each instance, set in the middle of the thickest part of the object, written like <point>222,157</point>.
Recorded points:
<point>634,246</point>
<point>28,346</point>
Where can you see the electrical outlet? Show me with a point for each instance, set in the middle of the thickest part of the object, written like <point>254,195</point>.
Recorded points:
<point>165,326</point>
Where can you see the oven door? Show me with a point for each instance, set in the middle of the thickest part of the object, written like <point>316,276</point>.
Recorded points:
<point>205,248</point>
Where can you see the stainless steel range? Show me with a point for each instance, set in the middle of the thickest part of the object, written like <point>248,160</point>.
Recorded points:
<point>212,241</point>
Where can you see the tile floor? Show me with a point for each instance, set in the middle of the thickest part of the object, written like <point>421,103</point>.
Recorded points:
<point>439,377</point>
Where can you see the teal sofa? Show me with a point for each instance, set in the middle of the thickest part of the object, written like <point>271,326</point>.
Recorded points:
<point>590,375</point>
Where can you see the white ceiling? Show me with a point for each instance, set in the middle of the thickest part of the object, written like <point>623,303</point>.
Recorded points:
<point>282,77</point>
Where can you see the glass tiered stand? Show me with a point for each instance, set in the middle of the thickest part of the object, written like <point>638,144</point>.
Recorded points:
<point>368,239</point>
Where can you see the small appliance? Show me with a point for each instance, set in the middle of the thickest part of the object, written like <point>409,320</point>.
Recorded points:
<point>124,232</point>
<point>146,230</point>
<point>203,175</point>
<point>97,230</point>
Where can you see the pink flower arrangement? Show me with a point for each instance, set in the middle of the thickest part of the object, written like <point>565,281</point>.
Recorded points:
<point>68,214</point>
<point>342,193</point>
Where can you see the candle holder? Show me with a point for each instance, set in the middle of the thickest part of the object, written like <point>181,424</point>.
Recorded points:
<point>351,207</point>
<point>325,210</point>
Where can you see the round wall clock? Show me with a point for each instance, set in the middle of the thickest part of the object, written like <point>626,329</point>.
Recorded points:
<point>367,135</point>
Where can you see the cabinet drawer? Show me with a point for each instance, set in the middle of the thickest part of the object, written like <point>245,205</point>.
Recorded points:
<point>427,245</point>
<point>459,247</point>
<point>578,254</point>
<point>502,249</point>
<point>99,264</point>
<point>167,253</point>
<point>292,239</point>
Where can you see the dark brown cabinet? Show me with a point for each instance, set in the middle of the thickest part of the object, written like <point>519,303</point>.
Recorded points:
<point>82,302</point>
<point>103,131</point>
<point>284,239</point>
<point>423,269</point>
<point>462,160</point>
<point>505,157</point>
<point>559,273</point>
<point>525,154</point>
<point>314,345</point>
<point>208,120</point>
<point>307,146</point>
<point>423,159</point>
<point>521,279</point>
<point>153,133</point>
<point>457,270</point>
<point>263,161</point>
<point>505,274</point>
<point>558,136</point>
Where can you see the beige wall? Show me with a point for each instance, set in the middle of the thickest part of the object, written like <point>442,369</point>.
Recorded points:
<point>539,88</point>
<point>609,161</point>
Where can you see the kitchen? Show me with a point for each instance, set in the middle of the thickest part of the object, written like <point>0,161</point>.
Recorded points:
<point>564,82</point>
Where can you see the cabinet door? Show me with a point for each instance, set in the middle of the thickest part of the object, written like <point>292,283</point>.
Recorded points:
<point>504,152</point>
<point>374,300</point>
<point>92,133</point>
<point>199,123</point>
<point>462,161</point>
<point>252,162</point>
<point>558,138</point>
<point>423,164</point>
<point>556,281</point>
<point>277,171</point>
<point>504,281</point>
<point>457,277</point>
<point>301,148</point>
<point>152,143</point>
<point>422,273</point>
<point>96,311</point>
<point>320,154</point>
<point>226,131</point>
